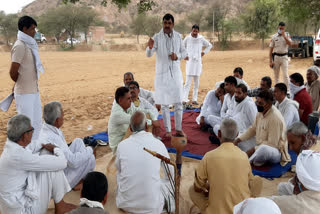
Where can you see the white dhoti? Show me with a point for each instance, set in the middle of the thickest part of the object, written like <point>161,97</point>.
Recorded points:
<point>178,111</point>
<point>30,106</point>
<point>265,154</point>
<point>286,188</point>
<point>196,80</point>
<point>214,120</point>
<point>74,175</point>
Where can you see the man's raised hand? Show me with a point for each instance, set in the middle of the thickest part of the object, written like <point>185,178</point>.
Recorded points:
<point>150,43</point>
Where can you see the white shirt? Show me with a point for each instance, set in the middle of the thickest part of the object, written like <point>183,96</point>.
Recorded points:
<point>228,106</point>
<point>138,177</point>
<point>241,81</point>
<point>289,110</point>
<point>52,135</point>
<point>245,114</point>
<point>211,106</point>
<point>119,121</point>
<point>148,95</point>
<point>144,104</point>
<point>194,49</point>
<point>18,164</point>
<point>168,81</point>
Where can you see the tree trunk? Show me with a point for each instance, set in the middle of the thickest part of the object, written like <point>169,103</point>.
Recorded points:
<point>86,36</point>
<point>262,40</point>
<point>138,38</point>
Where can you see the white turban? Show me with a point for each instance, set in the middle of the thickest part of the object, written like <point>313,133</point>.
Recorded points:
<point>307,168</point>
<point>257,205</point>
<point>315,69</point>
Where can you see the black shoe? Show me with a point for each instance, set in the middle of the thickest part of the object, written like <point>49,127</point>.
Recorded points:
<point>214,140</point>
<point>93,144</point>
<point>210,130</point>
<point>87,140</point>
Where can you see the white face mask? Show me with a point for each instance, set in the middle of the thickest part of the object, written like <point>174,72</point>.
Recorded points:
<point>295,89</point>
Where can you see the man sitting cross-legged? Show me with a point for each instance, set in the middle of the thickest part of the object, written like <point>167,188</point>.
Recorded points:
<point>211,106</point>
<point>94,194</point>
<point>269,129</point>
<point>80,158</point>
<point>138,101</point>
<point>119,120</point>
<point>140,188</point>
<point>28,180</point>
<point>225,174</point>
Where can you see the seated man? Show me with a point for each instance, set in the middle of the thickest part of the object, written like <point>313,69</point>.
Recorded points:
<point>269,129</point>
<point>29,181</point>
<point>94,194</point>
<point>288,108</point>
<point>211,106</point>
<point>229,102</point>
<point>306,198</point>
<point>145,94</point>
<point>140,188</point>
<point>299,93</point>
<point>265,84</point>
<point>257,205</point>
<point>313,86</point>
<point>80,158</point>
<point>224,173</point>
<point>119,119</point>
<point>238,74</point>
<point>299,139</point>
<point>138,101</point>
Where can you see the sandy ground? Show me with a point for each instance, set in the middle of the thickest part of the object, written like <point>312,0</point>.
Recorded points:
<point>85,82</point>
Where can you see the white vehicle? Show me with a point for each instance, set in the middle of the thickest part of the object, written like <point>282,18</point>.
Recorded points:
<point>316,48</point>
<point>74,41</point>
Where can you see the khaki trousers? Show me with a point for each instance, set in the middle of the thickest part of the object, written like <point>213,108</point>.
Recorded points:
<point>281,62</point>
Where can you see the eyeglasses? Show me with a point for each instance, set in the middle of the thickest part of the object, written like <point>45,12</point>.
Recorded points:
<point>133,88</point>
<point>30,130</point>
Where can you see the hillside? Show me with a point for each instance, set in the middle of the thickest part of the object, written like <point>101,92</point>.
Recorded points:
<point>113,16</point>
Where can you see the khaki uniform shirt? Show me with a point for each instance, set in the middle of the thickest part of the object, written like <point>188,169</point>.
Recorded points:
<point>307,202</point>
<point>278,43</point>
<point>228,172</point>
<point>314,91</point>
<point>27,82</point>
<point>270,129</point>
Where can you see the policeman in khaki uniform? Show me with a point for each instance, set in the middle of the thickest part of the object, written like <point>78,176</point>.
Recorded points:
<point>278,54</point>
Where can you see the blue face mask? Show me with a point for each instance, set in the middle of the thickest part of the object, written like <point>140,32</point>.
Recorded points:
<point>279,31</point>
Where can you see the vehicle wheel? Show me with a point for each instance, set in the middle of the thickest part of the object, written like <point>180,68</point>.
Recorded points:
<point>296,54</point>
<point>290,55</point>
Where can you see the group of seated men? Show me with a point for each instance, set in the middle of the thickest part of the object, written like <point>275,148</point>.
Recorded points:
<point>33,173</point>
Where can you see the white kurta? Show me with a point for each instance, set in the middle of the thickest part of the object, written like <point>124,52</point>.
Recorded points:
<point>211,106</point>
<point>289,110</point>
<point>146,105</point>
<point>28,180</point>
<point>148,95</point>
<point>194,49</point>
<point>140,188</point>
<point>228,106</point>
<point>80,158</point>
<point>168,81</point>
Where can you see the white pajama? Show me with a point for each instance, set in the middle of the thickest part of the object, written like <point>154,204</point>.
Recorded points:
<point>74,175</point>
<point>265,154</point>
<point>196,80</point>
<point>30,106</point>
<point>178,112</point>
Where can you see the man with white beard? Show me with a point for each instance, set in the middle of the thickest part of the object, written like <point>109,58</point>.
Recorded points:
<point>168,82</point>
<point>194,44</point>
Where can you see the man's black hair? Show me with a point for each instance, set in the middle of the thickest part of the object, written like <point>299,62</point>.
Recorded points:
<point>168,16</point>
<point>267,80</point>
<point>128,73</point>
<point>266,95</point>
<point>26,21</point>
<point>282,87</point>
<point>231,80</point>
<point>195,27</point>
<point>282,24</point>
<point>120,92</point>
<point>243,87</point>
<point>95,186</point>
<point>134,83</point>
<point>238,70</point>
<point>298,78</point>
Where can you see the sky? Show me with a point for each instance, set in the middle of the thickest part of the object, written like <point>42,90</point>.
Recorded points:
<point>13,6</point>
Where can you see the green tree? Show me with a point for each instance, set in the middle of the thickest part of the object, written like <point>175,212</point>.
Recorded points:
<point>152,25</point>
<point>182,26</point>
<point>8,26</point>
<point>261,18</point>
<point>138,25</point>
<point>144,24</point>
<point>88,17</point>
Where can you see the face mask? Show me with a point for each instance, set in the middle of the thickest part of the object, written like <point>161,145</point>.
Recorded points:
<point>260,108</point>
<point>279,31</point>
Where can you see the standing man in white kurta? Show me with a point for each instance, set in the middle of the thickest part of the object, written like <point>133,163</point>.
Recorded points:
<point>25,72</point>
<point>168,82</point>
<point>193,44</point>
